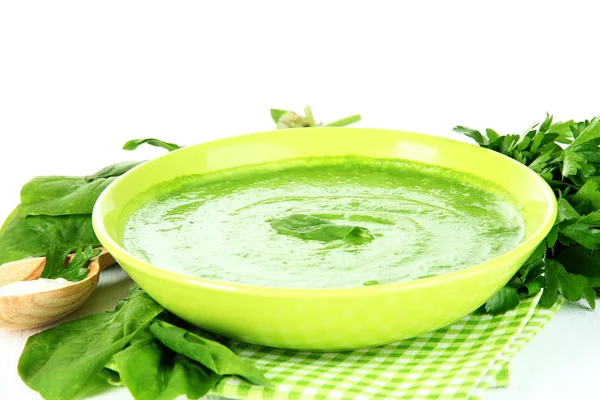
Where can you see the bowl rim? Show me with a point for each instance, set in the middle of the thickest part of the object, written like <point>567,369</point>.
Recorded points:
<point>528,245</point>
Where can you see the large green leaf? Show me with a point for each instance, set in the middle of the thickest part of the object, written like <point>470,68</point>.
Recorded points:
<point>32,236</point>
<point>60,362</point>
<point>152,371</point>
<point>68,195</point>
<point>213,355</point>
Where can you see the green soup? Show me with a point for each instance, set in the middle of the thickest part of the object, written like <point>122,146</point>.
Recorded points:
<point>322,223</point>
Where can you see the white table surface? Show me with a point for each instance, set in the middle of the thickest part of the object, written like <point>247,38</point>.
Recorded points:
<point>78,79</point>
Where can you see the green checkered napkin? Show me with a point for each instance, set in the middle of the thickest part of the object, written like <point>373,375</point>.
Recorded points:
<point>460,361</point>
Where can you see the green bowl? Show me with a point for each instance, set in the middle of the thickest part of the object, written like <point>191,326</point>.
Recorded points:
<point>327,319</point>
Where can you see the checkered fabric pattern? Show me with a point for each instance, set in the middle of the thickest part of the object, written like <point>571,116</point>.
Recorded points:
<point>460,361</point>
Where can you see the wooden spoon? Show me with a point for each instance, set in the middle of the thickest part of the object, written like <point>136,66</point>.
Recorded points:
<point>33,310</point>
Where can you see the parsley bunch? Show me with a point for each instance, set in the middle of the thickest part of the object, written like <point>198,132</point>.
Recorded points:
<point>567,156</point>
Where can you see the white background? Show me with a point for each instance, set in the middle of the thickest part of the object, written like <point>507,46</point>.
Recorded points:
<point>78,79</point>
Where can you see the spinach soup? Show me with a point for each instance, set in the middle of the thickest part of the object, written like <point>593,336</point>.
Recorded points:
<point>322,223</point>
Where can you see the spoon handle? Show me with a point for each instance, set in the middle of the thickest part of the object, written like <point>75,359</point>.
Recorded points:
<point>105,259</point>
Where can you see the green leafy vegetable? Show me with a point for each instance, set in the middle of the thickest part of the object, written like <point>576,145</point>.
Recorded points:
<point>573,287</point>
<point>213,355</point>
<point>153,372</point>
<point>55,211</point>
<point>114,170</point>
<point>110,375</point>
<point>68,195</point>
<point>32,236</point>
<point>567,156</point>
<point>55,259</point>
<point>133,346</point>
<point>74,271</point>
<point>506,299</point>
<point>309,227</point>
<point>59,362</point>
<point>77,269</point>
<point>135,143</point>
<point>579,260</point>
<point>288,119</point>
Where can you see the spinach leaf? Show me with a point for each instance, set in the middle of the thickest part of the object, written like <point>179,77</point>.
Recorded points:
<point>116,169</point>
<point>110,375</point>
<point>32,236</point>
<point>213,355</point>
<point>309,227</point>
<point>59,362</point>
<point>68,195</point>
<point>152,371</point>
<point>135,143</point>
<point>55,210</point>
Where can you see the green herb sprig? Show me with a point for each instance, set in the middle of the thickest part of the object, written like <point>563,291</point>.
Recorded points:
<point>74,270</point>
<point>567,156</point>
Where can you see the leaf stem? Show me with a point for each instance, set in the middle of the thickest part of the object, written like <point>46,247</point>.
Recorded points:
<point>309,116</point>
<point>345,121</point>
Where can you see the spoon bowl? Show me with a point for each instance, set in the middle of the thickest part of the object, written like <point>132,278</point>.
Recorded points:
<point>34,310</point>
